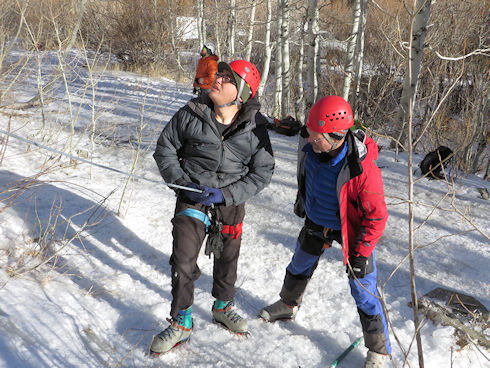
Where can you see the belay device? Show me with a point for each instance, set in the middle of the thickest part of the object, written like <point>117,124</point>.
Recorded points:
<point>214,242</point>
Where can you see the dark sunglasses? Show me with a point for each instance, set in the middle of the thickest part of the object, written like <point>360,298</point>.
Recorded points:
<point>226,78</point>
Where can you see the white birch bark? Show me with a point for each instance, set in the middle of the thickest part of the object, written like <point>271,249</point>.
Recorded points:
<point>299,105</point>
<point>418,26</point>
<point>313,52</point>
<point>57,74</point>
<point>171,18</point>
<point>286,72</point>
<point>248,53</point>
<point>351,49</point>
<point>9,45</point>
<point>359,60</point>
<point>231,30</point>
<point>200,22</point>
<point>268,49</point>
<point>410,83</point>
<point>217,29</point>
<point>278,63</point>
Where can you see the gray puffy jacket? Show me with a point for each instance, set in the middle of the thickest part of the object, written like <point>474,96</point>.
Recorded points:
<point>190,148</point>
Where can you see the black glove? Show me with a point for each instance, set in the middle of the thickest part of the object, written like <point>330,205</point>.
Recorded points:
<point>359,266</point>
<point>299,206</point>
<point>195,90</point>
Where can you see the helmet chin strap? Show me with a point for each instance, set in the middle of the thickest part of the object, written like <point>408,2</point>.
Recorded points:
<point>237,100</point>
<point>228,104</point>
<point>332,142</point>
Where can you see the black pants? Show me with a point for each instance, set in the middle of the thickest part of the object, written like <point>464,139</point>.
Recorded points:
<point>188,236</point>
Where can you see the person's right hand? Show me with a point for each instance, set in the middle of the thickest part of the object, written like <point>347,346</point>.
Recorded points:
<point>207,196</point>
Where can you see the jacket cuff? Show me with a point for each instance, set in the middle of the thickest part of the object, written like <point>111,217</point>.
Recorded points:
<point>181,181</point>
<point>365,250</point>
<point>228,197</point>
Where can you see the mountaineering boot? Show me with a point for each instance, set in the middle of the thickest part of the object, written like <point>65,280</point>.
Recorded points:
<point>278,310</point>
<point>228,318</point>
<point>374,360</point>
<point>179,331</point>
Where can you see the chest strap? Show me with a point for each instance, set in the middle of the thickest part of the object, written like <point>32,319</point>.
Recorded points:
<point>234,230</point>
<point>191,212</point>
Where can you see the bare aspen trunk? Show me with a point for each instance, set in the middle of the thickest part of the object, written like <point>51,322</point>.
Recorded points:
<point>417,27</point>
<point>171,18</point>
<point>4,52</point>
<point>155,11</point>
<point>351,49</point>
<point>268,49</point>
<point>299,105</point>
<point>57,74</point>
<point>359,55</point>
<point>231,29</point>
<point>313,52</point>
<point>248,53</point>
<point>201,33</point>
<point>278,63</point>
<point>217,29</point>
<point>410,84</point>
<point>286,72</point>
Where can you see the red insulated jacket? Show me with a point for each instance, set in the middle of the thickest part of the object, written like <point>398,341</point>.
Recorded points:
<point>363,211</point>
<point>206,70</point>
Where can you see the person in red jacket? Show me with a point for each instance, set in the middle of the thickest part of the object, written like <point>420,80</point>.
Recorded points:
<point>206,70</point>
<point>340,194</point>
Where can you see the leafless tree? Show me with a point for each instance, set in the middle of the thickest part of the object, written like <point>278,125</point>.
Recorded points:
<point>217,28</point>
<point>299,104</point>
<point>67,45</point>
<point>286,67</point>
<point>171,23</point>
<point>268,48</point>
<point>231,29</point>
<point>419,29</point>
<point>312,53</point>
<point>201,24</point>
<point>351,48</point>
<point>248,52</point>
<point>278,62</point>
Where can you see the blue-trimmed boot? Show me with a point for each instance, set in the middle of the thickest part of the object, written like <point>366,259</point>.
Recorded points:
<point>224,314</point>
<point>179,331</point>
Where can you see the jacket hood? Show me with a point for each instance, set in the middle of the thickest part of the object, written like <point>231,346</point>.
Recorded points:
<point>366,146</point>
<point>203,106</point>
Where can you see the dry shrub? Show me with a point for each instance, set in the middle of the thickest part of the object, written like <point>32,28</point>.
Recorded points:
<point>136,31</point>
<point>456,28</point>
<point>43,18</point>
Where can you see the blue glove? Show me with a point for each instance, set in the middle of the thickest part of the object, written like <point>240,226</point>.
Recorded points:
<point>207,197</point>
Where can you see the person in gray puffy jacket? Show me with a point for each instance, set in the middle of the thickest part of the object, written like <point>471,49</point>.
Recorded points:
<point>218,147</point>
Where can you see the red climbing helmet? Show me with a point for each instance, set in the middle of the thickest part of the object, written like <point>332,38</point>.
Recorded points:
<point>246,71</point>
<point>331,114</point>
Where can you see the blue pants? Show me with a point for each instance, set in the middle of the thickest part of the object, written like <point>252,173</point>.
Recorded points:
<point>308,250</point>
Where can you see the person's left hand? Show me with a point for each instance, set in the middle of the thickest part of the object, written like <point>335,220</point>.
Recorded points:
<point>359,266</point>
<point>207,197</point>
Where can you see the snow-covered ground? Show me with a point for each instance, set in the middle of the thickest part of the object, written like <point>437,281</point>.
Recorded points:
<point>100,300</point>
